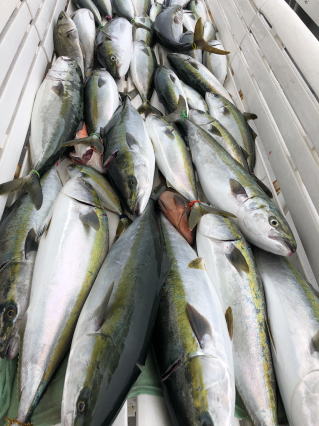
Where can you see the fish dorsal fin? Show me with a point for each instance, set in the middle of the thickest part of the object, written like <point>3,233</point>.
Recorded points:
<point>315,342</point>
<point>90,219</point>
<point>31,243</point>
<point>199,324</point>
<point>237,189</point>
<point>237,259</point>
<point>230,321</point>
<point>58,89</point>
<point>197,263</point>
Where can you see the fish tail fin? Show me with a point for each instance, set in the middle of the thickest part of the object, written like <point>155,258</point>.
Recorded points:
<point>93,140</point>
<point>146,108</point>
<point>180,113</point>
<point>30,184</point>
<point>201,43</point>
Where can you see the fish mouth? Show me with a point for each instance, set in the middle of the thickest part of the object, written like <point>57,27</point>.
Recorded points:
<point>291,246</point>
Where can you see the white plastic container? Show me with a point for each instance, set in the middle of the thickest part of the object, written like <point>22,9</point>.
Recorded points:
<point>273,72</point>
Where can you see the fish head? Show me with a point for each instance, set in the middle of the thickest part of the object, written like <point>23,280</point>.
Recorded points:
<point>114,64</point>
<point>177,14</point>
<point>265,227</point>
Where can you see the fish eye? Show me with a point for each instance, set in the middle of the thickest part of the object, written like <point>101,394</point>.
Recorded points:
<point>113,58</point>
<point>81,406</point>
<point>11,312</point>
<point>273,222</point>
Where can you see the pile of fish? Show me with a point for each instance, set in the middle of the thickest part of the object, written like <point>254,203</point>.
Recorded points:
<point>134,230</point>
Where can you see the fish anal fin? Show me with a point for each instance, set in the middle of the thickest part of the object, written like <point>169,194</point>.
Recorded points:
<point>199,324</point>
<point>230,321</point>
<point>90,219</point>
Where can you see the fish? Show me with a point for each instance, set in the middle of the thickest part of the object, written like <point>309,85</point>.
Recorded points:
<point>131,157</point>
<point>142,70</point>
<point>168,27</point>
<point>89,4</point>
<point>142,7</point>
<point>220,134</point>
<point>141,34</point>
<point>69,257</point>
<point>101,100</point>
<point>20,231</point>
<point>235,122</point>
<point>66,39</point>
<point>113,330</point>
<point>169,88</point>
<point>114,43</point>
<point>236,191</point>
<point>172,156</point>
<point>191,340</point>
<point>194,99</point>
<point>217,64</point>
<point>104,7</point>
<point>293,316</point>
<point>176,209</point>
<point>199,8</point>
<point>232,271</point>
<point>84,22</point>
<point>196,75</point>
<point>56,115</point>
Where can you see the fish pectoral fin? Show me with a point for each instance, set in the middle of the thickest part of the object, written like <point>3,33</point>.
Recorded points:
<point>30,184</point>
<point>237,189</point>
<point>90,219</point>
<point>31,242</point>
<point>199,324</point>
<point>250,116</point>
<point>237,259</point>
<point>197,263</point>
<point>131,140</point>
<point>180,113</point>
<point>315,342</point>
<point>58,89</point>
<point>230,321</point>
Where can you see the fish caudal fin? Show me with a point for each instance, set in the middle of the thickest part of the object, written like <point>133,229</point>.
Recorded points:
<point>201,43</point>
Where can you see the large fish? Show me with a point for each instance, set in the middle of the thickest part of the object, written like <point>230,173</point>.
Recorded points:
<point>230,187</point>
<point>131,157</point>
<point>231,267</point>
<point>84,21</point>
<point>169,88</point>
<point>293,312</point>
<point>192,343</point>
<point>56,114</point>
<point>66,39</point>
<point>172,156</point>
<point>89,4</point>
<point>235,122</point>
<point>112,335</point>
<point>196,75</point>
<point>115,46</point>
<point>101,98</point>
<point>69,257</point>
<point>142,70</point>
<point>168,27</point>
<point>20,231</point>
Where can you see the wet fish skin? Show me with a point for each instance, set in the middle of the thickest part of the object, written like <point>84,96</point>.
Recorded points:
<point>182,3</point>
<point>168,88</point>
<point>235,122</point>
<point>113,330</point>
<point>101,100</point>
<point>220,134</point>
<point>293,315</point>
<point>217,64</point>
<point>124,8</point>
<point>142,7</point>
<point>196,75</point>
<point>84,21</point>
<point>156,8</point>
<point>57,111</point>
<point>104,6</point>
<point>66,39</point>
<point>196,370</point>
<point>20,230</point>
<point>142,69</point>
<point>132,168</point>
<point>69,257</point>
<point>115,47</point>
<point>89,4</point>
<point>141,34</point>
<point>237,192</point>
<point>232,270</point>
<point>199,8</point>
<point>172,156</point>
<point>194,99</point>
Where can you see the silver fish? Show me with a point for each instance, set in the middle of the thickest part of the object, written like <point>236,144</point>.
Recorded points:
<point>84,21</point>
